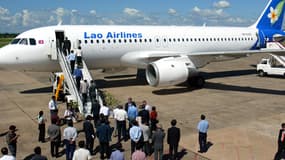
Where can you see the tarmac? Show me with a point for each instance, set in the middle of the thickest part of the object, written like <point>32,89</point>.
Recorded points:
<point>244,111</point>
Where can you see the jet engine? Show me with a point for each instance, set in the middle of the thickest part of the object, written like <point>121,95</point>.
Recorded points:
<point>169,71</point>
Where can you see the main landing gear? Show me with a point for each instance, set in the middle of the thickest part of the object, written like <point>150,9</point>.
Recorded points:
<point>196,81</point>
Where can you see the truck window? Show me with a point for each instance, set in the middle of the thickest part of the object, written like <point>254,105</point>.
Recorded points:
<point>263,62</point>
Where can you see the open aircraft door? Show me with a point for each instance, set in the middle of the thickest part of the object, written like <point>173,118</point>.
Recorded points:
<point>56,45</point>
<point>52,53</point>
<point>76,44</point>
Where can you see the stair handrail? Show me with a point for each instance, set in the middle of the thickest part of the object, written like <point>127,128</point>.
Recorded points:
<point>70,80</point>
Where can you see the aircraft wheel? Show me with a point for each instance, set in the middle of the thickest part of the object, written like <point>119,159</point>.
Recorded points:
<point>200,82</point>
<point>197,81</point>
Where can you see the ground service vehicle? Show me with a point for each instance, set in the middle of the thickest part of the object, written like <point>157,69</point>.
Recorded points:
<point>274,65</point>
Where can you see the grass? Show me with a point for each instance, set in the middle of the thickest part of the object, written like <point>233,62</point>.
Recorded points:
<point>4,41</point>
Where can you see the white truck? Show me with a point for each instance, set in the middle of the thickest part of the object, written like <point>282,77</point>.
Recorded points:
<point>274,65</point>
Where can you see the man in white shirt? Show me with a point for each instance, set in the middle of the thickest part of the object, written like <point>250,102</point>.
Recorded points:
<point>115,133</point>
<point>84,87</point>
<point>105,111</point>
<point>81,153</point>
<point>147,106</point>
<point>146,136</point>
<point>79,56</point>
<point>5,156</point>
<point>52,105</point>
<point>69,135</point>
<point>121,117</point>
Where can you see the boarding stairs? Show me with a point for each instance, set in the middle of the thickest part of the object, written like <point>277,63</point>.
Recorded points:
<point>280,59</point>
<point>71,83</point>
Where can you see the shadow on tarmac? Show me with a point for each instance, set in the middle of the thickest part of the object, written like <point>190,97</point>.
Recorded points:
<point>120,81</point>
<point>38,90</point>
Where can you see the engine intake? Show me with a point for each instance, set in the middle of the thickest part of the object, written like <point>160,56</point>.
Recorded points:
<point>168,71</point>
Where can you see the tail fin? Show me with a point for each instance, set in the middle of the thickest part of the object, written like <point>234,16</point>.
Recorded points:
<point>272,16</point>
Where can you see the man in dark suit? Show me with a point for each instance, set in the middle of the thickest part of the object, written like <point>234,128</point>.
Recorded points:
<point>95,111</point>
<point>104,133</point>
<point>66,46</point>
<point>173,138</point>
<point>144,114</point>
<point>281,143</point>
<point>89,133</point>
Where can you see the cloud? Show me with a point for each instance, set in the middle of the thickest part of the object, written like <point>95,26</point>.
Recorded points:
<point>131,12</point>
<point>207,12</point>
<point>172,11</point>
<point>196,9</point>
<point>60,12</point>
<point>93,12</point>
<point>26,17</point>
<point>221,4</point>
<point>4,11</point>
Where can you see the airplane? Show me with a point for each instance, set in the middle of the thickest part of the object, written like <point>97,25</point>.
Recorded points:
<point>170,55</point>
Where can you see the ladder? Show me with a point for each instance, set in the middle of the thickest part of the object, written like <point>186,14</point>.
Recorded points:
<point>68,78</point>
<point>280,59</point>
<point>72,89</point>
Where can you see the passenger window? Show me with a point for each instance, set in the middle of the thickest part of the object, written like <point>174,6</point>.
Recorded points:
<point>24,41</point>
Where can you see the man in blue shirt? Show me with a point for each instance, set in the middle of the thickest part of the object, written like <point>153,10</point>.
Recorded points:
<point>132,114</point>
<point>78,76</point>
<point>135,135</point>
<point>202,127</point>
<point>71,58</point>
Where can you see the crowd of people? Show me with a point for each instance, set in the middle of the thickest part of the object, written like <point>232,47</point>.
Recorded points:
<point>137,124</point>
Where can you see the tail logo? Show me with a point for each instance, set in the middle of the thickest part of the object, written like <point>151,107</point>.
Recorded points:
<point>275,13</point>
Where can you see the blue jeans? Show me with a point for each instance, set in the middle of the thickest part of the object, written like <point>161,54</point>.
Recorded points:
<point>13,149</point>
<point>69,149</point>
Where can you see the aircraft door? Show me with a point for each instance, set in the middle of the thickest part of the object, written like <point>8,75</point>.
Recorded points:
<point>76,44</point>
<point>52,53</point>
<point>57,44</point>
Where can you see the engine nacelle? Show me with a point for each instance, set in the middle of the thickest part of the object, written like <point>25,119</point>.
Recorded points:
<point>168,71</point>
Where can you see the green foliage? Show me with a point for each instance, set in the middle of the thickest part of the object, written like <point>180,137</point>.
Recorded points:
<point>4,41</point>
<point>110,100</point>
<point>8,35</point>
<point>5,38</point>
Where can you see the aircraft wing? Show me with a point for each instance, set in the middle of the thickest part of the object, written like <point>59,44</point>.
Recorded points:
<point>142,58</point>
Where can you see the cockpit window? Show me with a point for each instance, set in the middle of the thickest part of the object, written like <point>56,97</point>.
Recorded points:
<point>32,41</point>
<point>15,41</point>
<point>24,41</point>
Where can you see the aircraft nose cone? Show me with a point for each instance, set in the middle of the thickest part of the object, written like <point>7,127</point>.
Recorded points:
<point>6,57</point>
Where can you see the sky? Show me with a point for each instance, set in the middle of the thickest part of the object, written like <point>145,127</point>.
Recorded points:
<point>17,16</point>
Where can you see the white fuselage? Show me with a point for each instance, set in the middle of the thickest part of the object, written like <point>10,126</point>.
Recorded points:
<point>104,46</point>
